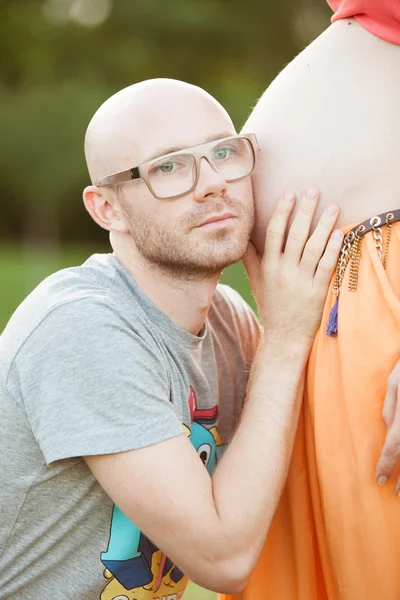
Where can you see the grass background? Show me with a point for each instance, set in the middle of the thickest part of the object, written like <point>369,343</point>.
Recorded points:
<point>22,269</point>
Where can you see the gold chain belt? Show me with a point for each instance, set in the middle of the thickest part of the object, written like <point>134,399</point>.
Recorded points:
<point>350,253</point>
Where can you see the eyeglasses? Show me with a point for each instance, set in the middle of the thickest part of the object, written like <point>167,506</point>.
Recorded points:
<point>176,174</point>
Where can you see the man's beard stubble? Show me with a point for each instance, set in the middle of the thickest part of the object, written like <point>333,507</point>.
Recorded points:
<point>188,261</point>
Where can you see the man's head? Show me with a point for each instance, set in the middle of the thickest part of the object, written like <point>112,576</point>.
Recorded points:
<point>160,215</point>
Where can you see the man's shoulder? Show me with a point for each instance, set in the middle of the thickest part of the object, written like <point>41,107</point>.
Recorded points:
<point>230,312</point>
<point>235,333</point>
<point>83,295</point>
<point>229,300</point>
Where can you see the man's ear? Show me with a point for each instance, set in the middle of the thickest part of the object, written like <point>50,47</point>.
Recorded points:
<point>103,209</point>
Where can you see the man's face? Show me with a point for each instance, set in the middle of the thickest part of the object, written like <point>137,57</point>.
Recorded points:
<point>176,235</point>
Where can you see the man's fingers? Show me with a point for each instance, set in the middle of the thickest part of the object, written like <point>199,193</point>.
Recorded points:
<point>252,261</point>
<point>277,228</point>
<point>318,241</point>
<point>328,262</point>
<point>300,228</point>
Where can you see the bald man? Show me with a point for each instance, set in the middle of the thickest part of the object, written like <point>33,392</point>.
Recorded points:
<point>332,118</point>
<point>121,381</point>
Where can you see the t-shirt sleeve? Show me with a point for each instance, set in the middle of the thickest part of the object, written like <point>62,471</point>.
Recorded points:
<point>236,335</point>
<point>90,383</point>
<point>240,319</point>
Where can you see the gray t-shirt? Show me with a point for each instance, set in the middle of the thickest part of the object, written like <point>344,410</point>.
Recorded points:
<point>89,365</point>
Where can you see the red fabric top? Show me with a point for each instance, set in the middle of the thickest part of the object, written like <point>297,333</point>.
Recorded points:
<point>380,17</point>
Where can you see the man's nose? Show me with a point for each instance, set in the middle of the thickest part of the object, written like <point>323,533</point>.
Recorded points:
<point>210,182</point>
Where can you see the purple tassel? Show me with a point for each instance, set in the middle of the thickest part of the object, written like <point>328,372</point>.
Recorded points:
<point>332,327</point>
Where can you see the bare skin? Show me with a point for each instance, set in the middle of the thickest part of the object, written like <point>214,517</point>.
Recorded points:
<point>332,119</point>
<point>124,133</point>
<point>213,528</point>
<point>310,133</point>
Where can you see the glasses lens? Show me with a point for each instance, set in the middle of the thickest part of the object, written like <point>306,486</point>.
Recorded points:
<point>233,158</point>
<point>172,175</point>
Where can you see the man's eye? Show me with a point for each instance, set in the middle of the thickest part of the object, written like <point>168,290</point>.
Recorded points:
<point>168,167</point>
<point>222,153</point>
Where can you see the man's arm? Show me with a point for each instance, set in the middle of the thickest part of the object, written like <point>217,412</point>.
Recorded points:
<point>213,528</point>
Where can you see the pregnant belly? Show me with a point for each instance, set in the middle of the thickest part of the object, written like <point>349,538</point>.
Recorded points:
<point>331,120</point>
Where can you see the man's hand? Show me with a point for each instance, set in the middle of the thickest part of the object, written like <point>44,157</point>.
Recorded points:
<point>391,415</point>
<point>290,284</point>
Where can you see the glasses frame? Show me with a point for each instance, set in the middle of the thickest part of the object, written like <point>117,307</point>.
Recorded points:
<point>197,152</point>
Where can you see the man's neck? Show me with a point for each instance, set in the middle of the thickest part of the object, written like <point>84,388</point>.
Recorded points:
<point>185,301</point>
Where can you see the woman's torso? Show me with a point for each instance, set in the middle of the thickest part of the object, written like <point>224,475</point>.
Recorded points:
<point>331,120</point>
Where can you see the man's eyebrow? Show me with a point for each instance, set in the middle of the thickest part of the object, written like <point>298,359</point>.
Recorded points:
<point>210,138</point>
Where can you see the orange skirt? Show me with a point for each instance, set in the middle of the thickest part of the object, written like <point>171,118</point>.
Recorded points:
<point>336,533</point>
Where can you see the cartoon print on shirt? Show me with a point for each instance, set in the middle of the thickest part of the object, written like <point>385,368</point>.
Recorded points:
<point>135,568</point>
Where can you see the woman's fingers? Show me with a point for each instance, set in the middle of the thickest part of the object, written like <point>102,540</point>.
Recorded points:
<point>390,454</point>
<point>390,403</point>
<point>391,415</point>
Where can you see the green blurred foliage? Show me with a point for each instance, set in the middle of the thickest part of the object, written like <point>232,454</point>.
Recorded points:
<point>60,59</point>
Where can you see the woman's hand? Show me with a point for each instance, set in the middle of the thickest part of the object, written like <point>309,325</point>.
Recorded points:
<point>390,454</point>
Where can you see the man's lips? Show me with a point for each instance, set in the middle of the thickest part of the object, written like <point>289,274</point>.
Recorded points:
<point>217,220</point>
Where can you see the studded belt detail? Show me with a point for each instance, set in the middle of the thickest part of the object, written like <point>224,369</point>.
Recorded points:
<point>350,254</point>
